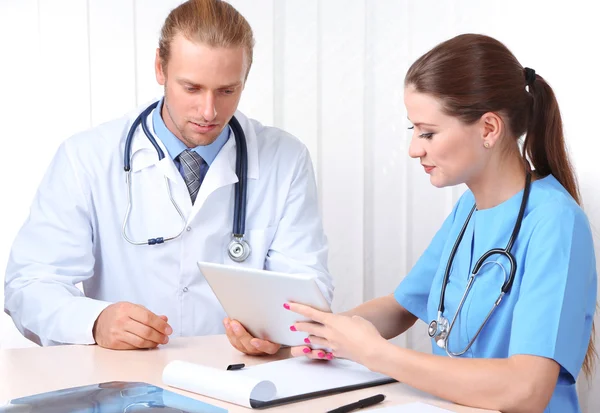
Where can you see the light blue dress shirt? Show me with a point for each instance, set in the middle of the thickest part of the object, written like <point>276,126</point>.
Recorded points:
<point>550,308</point>
<point>175,146</point>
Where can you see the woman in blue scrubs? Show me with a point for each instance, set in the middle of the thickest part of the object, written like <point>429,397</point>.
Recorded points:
<point>469,101</point>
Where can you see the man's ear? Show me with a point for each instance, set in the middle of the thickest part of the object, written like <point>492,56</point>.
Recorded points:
<point>161,76</point>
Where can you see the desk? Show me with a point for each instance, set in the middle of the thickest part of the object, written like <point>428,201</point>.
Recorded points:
<point>36,370</point>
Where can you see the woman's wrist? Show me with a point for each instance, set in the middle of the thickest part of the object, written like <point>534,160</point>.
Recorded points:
<point>378,355</point>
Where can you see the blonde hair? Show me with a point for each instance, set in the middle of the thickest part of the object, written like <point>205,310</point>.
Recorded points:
<point>211,22</point>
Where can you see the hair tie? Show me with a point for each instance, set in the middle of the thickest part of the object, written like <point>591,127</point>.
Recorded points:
<point>529,76</point>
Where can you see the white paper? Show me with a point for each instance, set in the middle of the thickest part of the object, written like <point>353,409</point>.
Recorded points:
<point>268,381</point>
<point>227,385</point>
<point>295,376</point>
<point>411,408</point>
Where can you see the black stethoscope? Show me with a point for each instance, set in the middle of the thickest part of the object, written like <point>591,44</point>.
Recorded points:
<point>238,249</point>
<point>439,329</point>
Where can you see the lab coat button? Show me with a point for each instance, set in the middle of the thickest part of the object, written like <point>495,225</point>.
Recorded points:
<point>185,289</point>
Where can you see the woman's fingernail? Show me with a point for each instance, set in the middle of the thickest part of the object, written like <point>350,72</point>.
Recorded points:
<point>168,331</point>
<point>329,356</point>
<point>321,354</point>
<point>306,340</point>
<point>306,350</point>
<point>286,306</point>
<point>166,340</point>
<point>293,328</point>
<point>255,344</point>
<point>236,328</point>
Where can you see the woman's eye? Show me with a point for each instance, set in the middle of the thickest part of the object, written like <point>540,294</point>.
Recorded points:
<point>426,135</point>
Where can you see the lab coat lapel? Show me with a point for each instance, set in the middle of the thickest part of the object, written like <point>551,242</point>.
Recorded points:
<point>144,156</point>
<point>221,173</point>
<point>222,170</point>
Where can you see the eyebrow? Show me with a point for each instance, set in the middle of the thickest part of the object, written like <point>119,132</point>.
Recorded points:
<point>189,82</point>
<point>421,123</point>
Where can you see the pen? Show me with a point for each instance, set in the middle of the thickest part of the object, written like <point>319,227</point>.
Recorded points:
<point>236,366</point>
<point>369,401</point>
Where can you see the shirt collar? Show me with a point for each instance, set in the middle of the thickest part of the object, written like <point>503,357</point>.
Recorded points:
<point>175,146</point>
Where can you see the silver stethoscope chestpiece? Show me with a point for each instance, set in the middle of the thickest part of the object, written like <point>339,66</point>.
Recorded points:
<point>432,328</point>
<point>238,249</point>
<point>438,330</point>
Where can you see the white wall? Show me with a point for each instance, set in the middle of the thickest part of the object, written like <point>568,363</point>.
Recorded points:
<point>330,72</point>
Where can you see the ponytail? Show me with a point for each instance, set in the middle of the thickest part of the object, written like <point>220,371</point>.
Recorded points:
<point>545,146</point>
<point>545,143</point>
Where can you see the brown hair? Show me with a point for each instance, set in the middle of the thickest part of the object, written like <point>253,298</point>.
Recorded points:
<point>212,22</point>
<point>474,74</point>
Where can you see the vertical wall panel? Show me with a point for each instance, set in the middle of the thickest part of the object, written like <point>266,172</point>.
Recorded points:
<point>63,77</point>
<point>299,91</point>
<point>150,16</point>
<point>386,146</point>
<point>342,43</point>
<point>257,100</point>
<point>22,126</point>
<point>112,58</point>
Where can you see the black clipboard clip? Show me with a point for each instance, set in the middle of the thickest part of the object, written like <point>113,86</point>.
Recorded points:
<point>236,366</point>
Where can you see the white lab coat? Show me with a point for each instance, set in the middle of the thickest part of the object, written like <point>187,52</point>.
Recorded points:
<point>73,233</point>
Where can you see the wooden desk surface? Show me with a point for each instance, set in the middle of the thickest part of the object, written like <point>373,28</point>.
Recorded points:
<point>29,371</point>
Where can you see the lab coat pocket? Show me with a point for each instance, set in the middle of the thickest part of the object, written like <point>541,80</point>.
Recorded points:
<point>259,241</point>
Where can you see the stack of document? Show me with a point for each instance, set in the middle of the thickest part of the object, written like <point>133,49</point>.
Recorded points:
<point>273,383</point>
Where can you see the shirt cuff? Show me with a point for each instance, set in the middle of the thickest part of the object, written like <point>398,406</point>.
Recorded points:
<point>84,313</point>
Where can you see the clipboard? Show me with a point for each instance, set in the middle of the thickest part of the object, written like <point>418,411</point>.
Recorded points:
<point>275,383</point>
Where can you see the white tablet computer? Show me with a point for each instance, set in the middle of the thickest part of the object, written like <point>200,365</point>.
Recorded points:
<point>255,298</point>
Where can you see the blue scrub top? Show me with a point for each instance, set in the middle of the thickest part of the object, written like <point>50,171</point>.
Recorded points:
<point>550,308</point>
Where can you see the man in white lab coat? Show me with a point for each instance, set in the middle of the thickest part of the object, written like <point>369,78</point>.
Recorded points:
<point>136,296</point>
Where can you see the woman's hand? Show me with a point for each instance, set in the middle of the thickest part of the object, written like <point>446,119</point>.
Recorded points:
<point>350,337</point>
<point>244,342</point>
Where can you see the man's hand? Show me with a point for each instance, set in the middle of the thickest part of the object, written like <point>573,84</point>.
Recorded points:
<point>244,342</point>
<point>125,326</point>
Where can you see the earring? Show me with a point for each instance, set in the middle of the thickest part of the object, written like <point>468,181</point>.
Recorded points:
<point>486,145</point>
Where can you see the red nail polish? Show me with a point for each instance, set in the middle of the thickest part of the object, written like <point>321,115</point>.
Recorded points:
<point>306,340</point>
<point>286,306</point>
<point>321,354</point>
<point>306,350</point>
<point>329,356</point>
<point>293,328</point>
